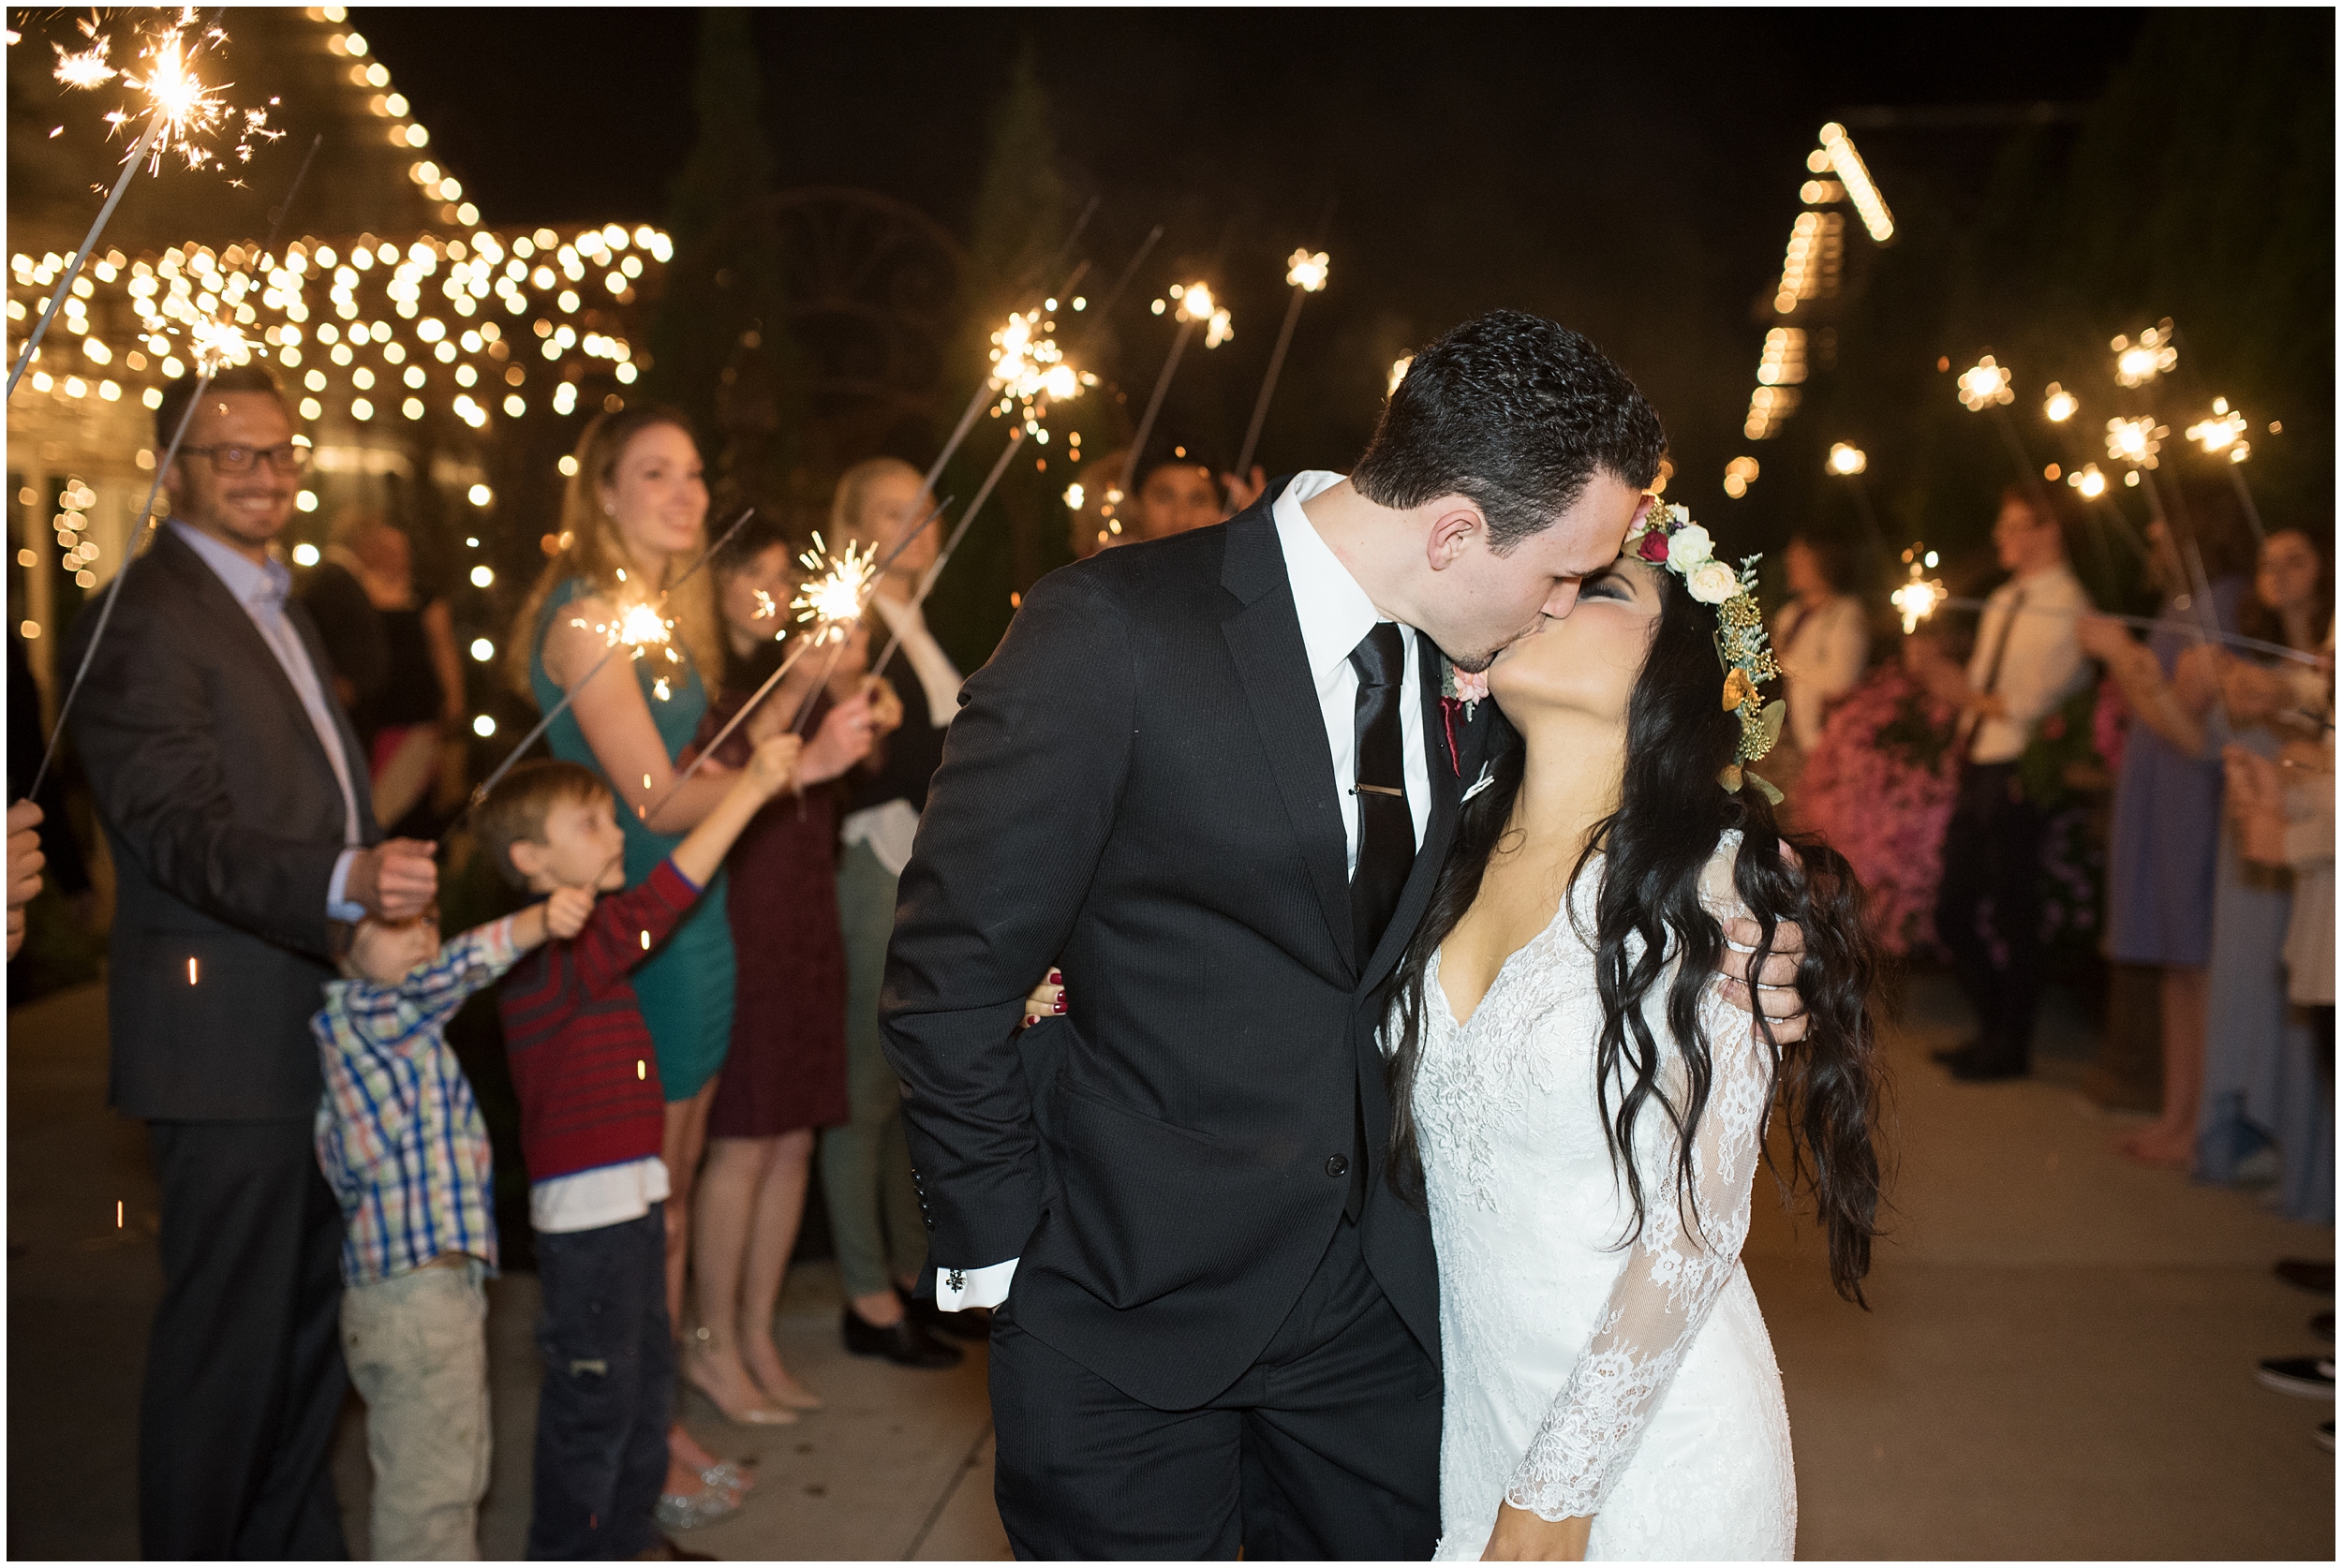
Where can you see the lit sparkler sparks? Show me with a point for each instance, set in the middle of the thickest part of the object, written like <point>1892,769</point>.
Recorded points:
<point>1306,271</point>
<point>1919,593</point>
<point>2089,479</point>
<point>2224,431</point>
<point>1030,369</point>
<point>216,344</point>
<point>2058,405</point>
<point>1398,368</point>
<point>191,119</point>
<point>1196,305</point>
<point>1847,459</point>
<point>1984,385</point>
<point>2135,441</point>
<point>833,595</point>
<point>2138,361</point>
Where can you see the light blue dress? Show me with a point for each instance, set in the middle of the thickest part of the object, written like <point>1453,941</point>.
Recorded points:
<point>684,986</point>
<point>2257,1068</point>
<point>2162,853</point>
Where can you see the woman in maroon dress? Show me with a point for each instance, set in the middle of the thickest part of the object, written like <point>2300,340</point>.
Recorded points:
<point>786,1073</point>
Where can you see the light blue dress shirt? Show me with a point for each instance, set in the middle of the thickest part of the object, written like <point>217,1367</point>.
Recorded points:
<point>261,587</point>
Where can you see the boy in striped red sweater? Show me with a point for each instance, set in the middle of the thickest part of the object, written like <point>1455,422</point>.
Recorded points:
<point>592,1121</point>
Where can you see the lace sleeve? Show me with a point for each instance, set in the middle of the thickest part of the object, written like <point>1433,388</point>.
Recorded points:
<point>1671,1279</point>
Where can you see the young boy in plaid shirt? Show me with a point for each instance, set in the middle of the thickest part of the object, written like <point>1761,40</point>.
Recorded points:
<point>593,1121</point>
<point>401,1144</point>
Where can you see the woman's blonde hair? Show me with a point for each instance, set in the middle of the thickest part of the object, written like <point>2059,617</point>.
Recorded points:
<point>590,548</point>
<point>853,492</point>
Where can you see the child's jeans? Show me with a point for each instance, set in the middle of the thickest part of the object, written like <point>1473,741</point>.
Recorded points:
<point>417,1346</point>
<point>609,1386</point>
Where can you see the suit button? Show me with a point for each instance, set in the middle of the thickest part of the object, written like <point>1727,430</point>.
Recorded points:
<point>1337,1165</point>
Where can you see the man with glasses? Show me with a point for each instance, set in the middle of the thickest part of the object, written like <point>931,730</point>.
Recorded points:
<point>234,797</point>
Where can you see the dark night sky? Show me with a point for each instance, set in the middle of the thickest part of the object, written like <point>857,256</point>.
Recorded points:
<point>1632,173</point>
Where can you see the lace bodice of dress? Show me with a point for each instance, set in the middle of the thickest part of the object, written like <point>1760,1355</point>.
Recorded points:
<point>1534,1228</point>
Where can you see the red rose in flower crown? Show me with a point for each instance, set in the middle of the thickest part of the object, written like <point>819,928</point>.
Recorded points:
<point>1653,547</point>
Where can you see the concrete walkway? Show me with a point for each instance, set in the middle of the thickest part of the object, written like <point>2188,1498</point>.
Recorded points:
<point>2059,1361</point>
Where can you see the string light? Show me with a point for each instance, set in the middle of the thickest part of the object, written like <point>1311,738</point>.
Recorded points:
<point>1738,475</point>
<point>1838,149</point>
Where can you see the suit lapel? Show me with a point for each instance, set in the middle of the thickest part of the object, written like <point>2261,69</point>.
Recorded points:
<point>235,627</point>
<point>1264,638</point>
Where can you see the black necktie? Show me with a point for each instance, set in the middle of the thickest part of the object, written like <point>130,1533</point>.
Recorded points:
<point>1386,826</point>
<point>1969,721</point>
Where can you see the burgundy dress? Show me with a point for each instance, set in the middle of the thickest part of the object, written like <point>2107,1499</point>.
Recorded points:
<point>787,1067</point>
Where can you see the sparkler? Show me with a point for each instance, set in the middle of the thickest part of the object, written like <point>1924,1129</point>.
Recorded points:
<point>2153,352</point>
<point>2224,432</point>
<point>808,592</point>
<point>1849,461</point>
<point>2145,622</point>
<point>1919,595</point>
<point>1195,304</point>
<point>220,342</point>
<point>1989,387</point>
<point>1398,368</point>
<point>1306,272</point>
<point>182,114</point>
<point>637,629</point>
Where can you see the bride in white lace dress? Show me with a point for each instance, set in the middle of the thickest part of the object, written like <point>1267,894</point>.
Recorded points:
<point>1611,1388</point>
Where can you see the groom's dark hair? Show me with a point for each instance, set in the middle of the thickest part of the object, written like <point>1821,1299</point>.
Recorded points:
<point>1516,412</point>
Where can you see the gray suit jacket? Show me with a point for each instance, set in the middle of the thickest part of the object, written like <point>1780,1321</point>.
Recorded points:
<point>225,820</point>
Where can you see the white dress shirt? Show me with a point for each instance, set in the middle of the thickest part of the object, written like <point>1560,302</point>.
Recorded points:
<point>261,588</point>
<point>2041,664</point>
<point>1335,616</point>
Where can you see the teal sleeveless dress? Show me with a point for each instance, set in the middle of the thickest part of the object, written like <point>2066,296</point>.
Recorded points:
<point>685,986</point>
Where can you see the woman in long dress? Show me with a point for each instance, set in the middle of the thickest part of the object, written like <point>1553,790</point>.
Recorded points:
<point>1587,1110</point>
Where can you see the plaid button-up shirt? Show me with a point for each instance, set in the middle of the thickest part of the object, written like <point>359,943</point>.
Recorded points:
<point>398,1132</point>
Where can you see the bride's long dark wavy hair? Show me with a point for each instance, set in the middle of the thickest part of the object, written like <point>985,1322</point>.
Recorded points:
<point>1671,814</point>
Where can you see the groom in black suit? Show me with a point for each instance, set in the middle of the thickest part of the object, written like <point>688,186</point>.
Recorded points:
<point>1213,778</point>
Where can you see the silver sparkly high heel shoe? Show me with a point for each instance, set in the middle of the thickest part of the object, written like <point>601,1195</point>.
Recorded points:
<point>679,1511</point>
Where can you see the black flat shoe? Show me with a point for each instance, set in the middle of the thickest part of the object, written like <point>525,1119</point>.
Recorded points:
<point>2314,1275</point>
<point>1946,1055</point>
<point>906,1345</point>
<point>972,1324</point>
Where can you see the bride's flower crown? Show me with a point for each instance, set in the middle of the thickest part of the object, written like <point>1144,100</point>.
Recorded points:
<point>1666,536</point>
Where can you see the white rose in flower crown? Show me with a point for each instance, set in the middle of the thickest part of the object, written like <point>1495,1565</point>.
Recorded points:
<point>1712,582</point>
<point>1689,546</point>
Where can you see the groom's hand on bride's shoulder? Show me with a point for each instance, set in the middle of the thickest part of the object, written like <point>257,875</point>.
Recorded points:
<point>1521,1536</point>
<point>1776,983</point>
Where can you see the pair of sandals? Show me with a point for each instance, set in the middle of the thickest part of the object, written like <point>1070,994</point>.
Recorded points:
<point>727,1486</point>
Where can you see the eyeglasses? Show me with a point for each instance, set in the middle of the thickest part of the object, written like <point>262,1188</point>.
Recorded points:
<point>286,458</point>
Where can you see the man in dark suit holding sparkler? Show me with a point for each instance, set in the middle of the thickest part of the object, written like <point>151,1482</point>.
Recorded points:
<point>234,797</point>
<point>1213,777</point>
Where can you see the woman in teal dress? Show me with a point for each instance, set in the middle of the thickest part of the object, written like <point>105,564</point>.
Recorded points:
<point>633,520</point>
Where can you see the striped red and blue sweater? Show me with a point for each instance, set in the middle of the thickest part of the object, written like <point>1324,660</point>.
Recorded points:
<point>582,1066</point>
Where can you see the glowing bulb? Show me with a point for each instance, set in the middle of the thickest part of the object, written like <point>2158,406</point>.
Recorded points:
<point>482,576</point>
<point>484,726</point>
<point>483,650</point>
<point>304,553</point>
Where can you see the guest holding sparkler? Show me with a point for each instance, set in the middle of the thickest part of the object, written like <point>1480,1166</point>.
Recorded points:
<point>633,520</point>
<point>874,1210</point>
<point>786,1073</point>
<point>231,787</point>
<point>2163,852</point>
<point>25,862</point>
<point>2259,1085</point>
<point>1823,643</point>
<point>2028,661</point>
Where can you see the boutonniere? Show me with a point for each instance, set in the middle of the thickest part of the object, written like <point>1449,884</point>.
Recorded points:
<point>1458,691</point>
